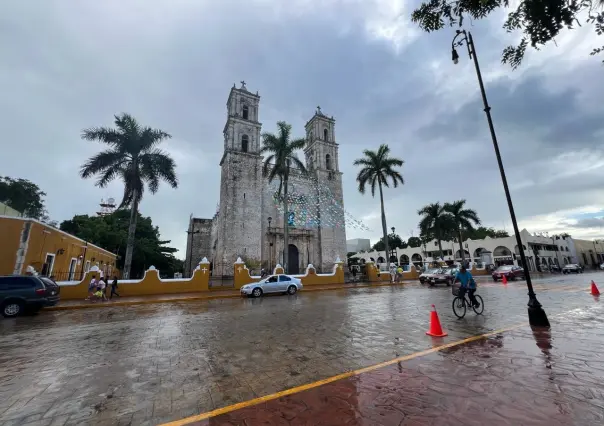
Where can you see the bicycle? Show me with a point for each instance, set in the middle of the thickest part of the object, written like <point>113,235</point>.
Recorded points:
<point>460,302</point>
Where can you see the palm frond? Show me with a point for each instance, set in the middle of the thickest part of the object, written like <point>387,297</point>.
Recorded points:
<point>100,162</point>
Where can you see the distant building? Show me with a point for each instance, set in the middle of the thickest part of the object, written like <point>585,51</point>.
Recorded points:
<point>590,253</point>
<point>539,250</point>
<point>358,244</point>
<point>50,251</point>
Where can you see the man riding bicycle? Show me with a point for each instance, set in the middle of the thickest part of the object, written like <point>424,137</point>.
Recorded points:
<point>467,283</point>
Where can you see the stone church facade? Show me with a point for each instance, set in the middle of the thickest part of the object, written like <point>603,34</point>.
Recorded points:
<point>248,223</point>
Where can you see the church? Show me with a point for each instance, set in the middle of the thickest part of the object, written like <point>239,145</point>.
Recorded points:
<point>249,219</point>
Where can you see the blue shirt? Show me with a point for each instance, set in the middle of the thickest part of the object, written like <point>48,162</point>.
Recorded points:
<point>465,278</point>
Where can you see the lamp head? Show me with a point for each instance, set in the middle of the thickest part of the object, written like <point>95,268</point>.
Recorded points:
<point>454,56</point>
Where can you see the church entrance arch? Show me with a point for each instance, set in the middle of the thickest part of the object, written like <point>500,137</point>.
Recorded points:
<point>293,259</point>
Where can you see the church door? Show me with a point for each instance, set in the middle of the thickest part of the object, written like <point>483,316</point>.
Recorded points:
<point>293,260</point>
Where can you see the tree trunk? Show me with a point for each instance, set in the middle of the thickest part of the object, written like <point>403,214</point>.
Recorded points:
<point>461,250</point>
<point>285,227</point>
<point>131,232</point>
<point>440,246</point>
<point>384,227</point>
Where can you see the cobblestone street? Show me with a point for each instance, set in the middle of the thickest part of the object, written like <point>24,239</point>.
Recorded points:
<point>150,364</point>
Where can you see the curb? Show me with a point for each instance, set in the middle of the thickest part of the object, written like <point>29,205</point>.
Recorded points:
<point>203,297</point>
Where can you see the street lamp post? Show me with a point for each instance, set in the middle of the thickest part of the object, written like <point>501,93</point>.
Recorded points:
<point>537,316</point>
<point>190,233</point>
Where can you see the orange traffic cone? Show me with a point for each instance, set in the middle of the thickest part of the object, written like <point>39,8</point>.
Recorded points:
<point>435,329</point>
<point>594,289</point>
<point>504,279</point>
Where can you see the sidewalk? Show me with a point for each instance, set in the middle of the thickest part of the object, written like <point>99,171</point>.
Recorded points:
<point>188,297</point>
<point>516,377</point>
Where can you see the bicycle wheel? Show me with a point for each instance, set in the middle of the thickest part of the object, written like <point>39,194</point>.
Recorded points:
<point>480,309</point>
<point>459,307</point>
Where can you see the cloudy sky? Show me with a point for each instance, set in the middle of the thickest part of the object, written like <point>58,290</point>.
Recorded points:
<point>67,65</point>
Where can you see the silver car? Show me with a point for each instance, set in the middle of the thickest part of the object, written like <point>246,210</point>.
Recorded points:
<point>274,284</point>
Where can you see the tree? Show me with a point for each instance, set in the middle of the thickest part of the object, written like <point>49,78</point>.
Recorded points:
<point>436,222</point>
<point>394,241</point>
<point>539,21</point>
<point>111,233</point>
<point>24,196</point>
<point>252,263</point>
<point>135,159</point>
<point>282,156</point>
<point>482,232</point>
<point>414,242</point>
<point>463,219</point>
<point>377,168</point>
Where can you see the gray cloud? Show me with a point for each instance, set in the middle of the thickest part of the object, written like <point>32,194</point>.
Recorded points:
<point>67,67</point>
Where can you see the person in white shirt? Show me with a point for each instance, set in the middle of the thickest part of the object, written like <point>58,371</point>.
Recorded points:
<point>91,287</point>
<point>102,287</point>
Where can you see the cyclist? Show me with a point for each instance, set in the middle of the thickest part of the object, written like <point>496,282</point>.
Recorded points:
<point>467,283</point>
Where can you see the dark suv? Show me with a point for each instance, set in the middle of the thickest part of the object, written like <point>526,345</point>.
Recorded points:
<point>19,293</point>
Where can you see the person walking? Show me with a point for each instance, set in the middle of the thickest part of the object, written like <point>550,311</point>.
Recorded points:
<point>392,272</point>
<point>114,288</point>
<point>91,288</point>
<point>102,287</point>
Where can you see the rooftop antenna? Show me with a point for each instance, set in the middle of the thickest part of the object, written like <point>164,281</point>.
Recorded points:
<point>107,207</point>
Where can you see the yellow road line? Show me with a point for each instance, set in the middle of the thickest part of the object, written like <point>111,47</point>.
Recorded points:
<point>346,375</point>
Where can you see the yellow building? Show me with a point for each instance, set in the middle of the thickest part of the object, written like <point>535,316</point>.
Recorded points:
<point>27,242</point>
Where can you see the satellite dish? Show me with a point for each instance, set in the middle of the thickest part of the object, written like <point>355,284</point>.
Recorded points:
<point>111,201</point>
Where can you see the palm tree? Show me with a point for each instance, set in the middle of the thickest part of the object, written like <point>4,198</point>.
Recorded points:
<point>436,222</point>
<point>278,165</point>
<point>463,219</point>
<point>133,157</point>
<point>377,168</point>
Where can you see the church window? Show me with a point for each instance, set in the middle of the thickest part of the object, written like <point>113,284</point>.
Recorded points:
<point>246,112</point>
<point>244,143</point>
<point>325,135</point>
<point>328,162</point>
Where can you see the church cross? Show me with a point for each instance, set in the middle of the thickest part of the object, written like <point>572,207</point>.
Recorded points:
<point>242,83</point>
<point>319,109</point>
<point>204,270</point>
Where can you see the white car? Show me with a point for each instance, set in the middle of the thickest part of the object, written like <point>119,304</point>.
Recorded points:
<point>273,284</point>
<point>602,266</point>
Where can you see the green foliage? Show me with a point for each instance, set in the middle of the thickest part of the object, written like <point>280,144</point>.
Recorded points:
<point>463,219</point>
<point>394,241</point>
<point>539,21</point>
<point>377,168</point>
<point>482,232</point>
<point>252,264</point>
<point>111,233</point>
<point>282,154</point>
<point>414,242</point>
<point>133,157</point>
<point>24,196</point>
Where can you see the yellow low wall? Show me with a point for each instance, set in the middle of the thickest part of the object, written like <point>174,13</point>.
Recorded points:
<point>477,272</point>
<point>151,284</point>
<point>242,275</point>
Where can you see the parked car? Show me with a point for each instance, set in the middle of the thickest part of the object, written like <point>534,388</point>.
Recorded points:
<point>273,284</point>
<point>423,278</point>
<point>602,266</point>
<point>572,268</point>
<point>443,276</point>
<point>511,272</point>
<point>19,293</point>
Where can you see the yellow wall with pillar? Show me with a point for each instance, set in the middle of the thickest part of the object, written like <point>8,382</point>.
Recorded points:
<point>150,285</point>
<point>242,275</point>
<point>40,242</point>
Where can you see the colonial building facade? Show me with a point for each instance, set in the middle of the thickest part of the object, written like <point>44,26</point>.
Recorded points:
<point>539,250</point>
<point>249,223</point>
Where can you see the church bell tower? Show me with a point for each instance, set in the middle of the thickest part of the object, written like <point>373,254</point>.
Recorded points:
<point>322,160</point>
<point>239,223</point>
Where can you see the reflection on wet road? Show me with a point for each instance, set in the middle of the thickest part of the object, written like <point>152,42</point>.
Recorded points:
<point>147,364</point>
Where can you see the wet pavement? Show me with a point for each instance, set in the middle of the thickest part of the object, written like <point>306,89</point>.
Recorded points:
<point>149,364</point>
